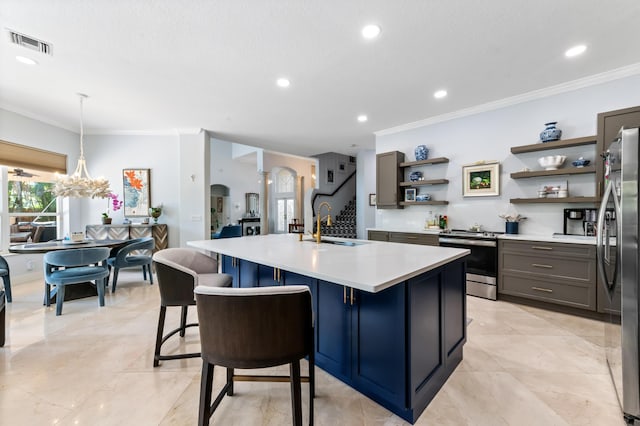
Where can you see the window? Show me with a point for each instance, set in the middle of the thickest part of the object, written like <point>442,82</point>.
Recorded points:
<point>31,209</point>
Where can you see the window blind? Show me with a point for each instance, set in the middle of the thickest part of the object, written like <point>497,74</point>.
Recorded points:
<point>15,155</point>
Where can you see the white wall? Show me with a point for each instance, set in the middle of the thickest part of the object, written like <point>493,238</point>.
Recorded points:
<point>108,155</point>
<point>239,175</point>
<point>489,136</point>
<point>365,185</point>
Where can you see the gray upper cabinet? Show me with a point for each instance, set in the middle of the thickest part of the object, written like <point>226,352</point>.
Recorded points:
<point>388,178</point>
<point>609,123</point>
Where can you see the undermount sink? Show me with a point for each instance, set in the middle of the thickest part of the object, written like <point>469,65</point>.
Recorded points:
<point>340,243</point>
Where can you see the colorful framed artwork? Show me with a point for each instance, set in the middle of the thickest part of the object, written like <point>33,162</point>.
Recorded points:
<point>481,179</point>
<point>410,194</point>
<point>137,194</point>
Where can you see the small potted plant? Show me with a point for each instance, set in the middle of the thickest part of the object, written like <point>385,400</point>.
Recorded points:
<point>155,213</point>
<point>115,205</point>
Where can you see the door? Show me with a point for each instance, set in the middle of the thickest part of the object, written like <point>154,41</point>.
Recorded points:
<point>285,212</point>
<point>284,199</point>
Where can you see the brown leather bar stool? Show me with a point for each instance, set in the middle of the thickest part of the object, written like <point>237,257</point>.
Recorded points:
<point>179,271</point>
<point>255,328</point>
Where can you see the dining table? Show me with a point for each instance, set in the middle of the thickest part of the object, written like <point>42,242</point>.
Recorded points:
<point>78,291</point>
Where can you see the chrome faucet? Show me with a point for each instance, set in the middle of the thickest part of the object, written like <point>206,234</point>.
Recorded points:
<point>317,235</point>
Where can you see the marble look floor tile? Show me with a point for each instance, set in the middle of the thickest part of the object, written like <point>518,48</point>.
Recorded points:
<point>94,366</point>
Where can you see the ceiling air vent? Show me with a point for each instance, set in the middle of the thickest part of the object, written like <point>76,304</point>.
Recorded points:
<point>30,42</point>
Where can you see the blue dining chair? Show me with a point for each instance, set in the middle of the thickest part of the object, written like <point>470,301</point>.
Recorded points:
<point>74,266</point>
<point>122,258</point>
<point>6,277</point>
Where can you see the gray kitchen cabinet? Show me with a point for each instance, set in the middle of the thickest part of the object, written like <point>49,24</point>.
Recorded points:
<point>558,273</point>
<point>609,123</point>
<point>404,237</point>
<point>388,178</point>
<point>378,236</point>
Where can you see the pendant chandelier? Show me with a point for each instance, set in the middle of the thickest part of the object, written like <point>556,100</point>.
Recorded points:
<point>80,184</point>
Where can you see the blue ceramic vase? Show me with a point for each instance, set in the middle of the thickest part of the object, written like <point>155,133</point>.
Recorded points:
<point>415,176</point>
<point>550,133</point>
<point>422,152</point>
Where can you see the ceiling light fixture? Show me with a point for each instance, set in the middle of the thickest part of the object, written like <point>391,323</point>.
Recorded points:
<point>371,31</point>
<point>362,118</point>
<point>440,94</point>
<point>283,82</point>
<point>575,51</point>
<point>80,184</point>
<point>25,60</point>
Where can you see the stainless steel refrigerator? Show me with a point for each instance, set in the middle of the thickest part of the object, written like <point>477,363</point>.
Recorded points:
<point>617,251</point>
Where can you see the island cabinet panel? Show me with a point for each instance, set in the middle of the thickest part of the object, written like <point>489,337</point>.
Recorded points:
<point>438,331</point>
<point>397,346</point>
<point>379,342</point>
<point>333,329</point>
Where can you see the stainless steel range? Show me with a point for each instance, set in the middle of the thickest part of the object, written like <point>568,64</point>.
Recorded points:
<point>482,263</point>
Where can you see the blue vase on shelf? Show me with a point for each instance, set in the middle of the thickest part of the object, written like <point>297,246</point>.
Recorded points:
<point>422,152</point>
<point>550,133</point>
<point>415,176</point>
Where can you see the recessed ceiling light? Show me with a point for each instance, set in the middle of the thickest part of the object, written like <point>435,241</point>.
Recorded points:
<point>371,31</point>
<point>283,82</point>
<point>440,94</point>
<point>362,118</point>
<point>575,51</point>
<point>25,60</point>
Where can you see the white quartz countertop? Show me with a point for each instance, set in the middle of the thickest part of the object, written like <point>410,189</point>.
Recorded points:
<point>370,266</point>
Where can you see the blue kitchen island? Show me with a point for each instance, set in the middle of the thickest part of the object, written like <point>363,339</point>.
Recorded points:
<point>390,318</point>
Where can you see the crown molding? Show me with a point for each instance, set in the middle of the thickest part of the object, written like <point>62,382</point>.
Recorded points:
<point>616,74</point>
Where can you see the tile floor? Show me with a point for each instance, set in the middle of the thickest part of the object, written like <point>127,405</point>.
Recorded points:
<point>93,366</point>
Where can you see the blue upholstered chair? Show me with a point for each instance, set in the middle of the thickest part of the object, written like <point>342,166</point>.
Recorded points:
<point>65,267</point>
<point>228,231</point>
<point>122,258</point>
<point>4,273</point>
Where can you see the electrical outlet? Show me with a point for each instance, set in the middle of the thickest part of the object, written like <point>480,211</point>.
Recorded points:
<point>196,218</point>
<point>29,265</point>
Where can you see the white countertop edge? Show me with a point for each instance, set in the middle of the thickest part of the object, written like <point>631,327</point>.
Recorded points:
<point>255,256</point>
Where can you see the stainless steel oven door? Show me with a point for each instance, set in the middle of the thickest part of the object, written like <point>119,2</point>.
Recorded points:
<point>482,265</point>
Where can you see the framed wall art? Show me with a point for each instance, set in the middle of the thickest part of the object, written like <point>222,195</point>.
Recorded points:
<point>410,194</point>
<point>481,179</point>
<point>137,194</point>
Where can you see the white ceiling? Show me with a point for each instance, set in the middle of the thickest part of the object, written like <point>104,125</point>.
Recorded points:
<point>166,65</point>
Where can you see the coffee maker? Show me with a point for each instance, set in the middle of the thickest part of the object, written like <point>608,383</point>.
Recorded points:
<point>583,221</point>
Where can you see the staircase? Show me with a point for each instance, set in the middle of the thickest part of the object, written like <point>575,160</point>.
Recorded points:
<point>344,224</point>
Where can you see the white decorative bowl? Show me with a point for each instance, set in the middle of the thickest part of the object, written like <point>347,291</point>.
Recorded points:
<point>552,162</point>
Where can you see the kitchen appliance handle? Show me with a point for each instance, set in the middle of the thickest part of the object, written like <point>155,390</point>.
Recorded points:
<point>462,241</point>
<point>603,240</point>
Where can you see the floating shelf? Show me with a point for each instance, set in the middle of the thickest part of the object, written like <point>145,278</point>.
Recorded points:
<point>544,146</point>
<point>425,182</point>
<point>423,203</point>
<point>553,200</point>
<point>439,160</point>
<point>567,171</point>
